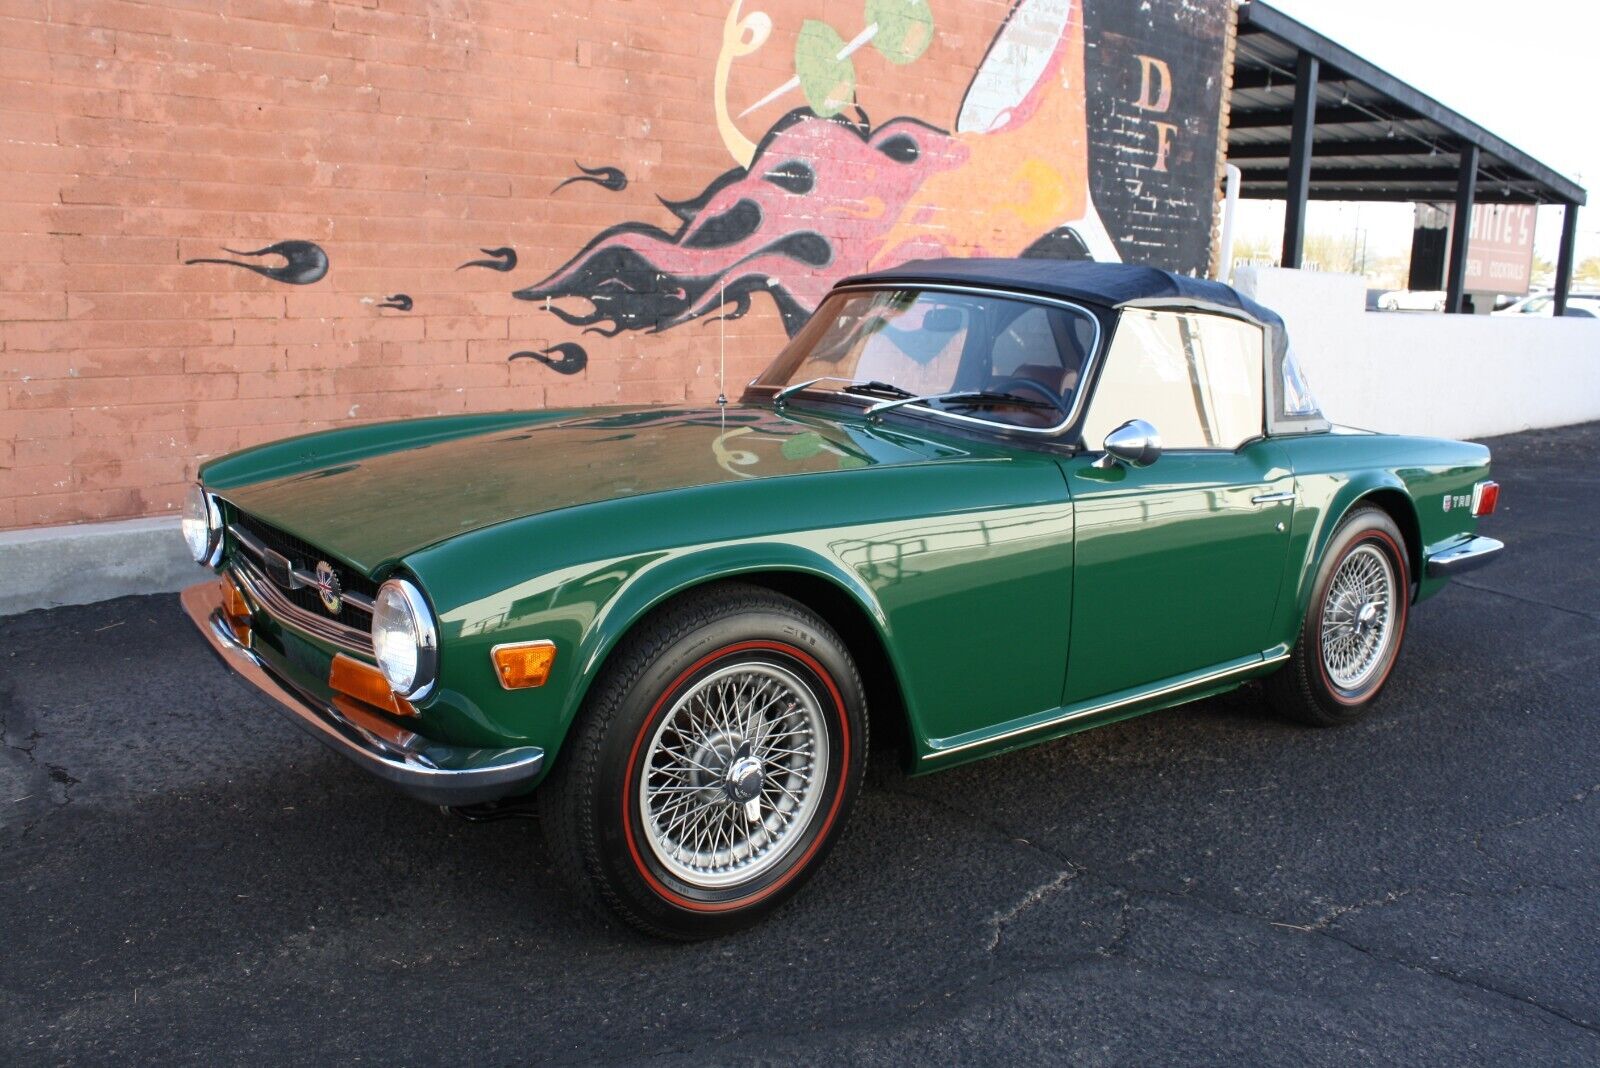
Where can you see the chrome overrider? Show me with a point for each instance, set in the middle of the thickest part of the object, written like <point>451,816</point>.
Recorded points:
<point>1465,555</point>
<point>431,772</point>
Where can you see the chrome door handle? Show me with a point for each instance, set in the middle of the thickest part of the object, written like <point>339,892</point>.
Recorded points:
<point>1272,498</point>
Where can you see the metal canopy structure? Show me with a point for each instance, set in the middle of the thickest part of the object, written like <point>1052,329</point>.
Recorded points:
<point>1311,120</point>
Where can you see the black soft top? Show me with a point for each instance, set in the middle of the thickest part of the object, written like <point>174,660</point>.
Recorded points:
<point>1112,285</point>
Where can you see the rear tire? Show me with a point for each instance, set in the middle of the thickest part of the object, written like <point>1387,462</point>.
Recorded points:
<point>1354,625</point>
<point>713,765</point>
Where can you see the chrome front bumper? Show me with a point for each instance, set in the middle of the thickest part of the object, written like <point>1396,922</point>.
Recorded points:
<point>428,771</point>
<point>1463,556</point>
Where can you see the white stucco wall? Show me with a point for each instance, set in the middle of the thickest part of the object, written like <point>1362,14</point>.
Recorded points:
<point>1456,376</point>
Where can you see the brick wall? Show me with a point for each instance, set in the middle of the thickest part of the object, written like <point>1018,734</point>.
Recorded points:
<point>399,139</point>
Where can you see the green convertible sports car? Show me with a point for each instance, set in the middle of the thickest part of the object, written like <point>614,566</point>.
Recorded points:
<point>973,505</point>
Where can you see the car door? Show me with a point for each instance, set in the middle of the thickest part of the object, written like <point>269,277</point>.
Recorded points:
<point>1177,564</point>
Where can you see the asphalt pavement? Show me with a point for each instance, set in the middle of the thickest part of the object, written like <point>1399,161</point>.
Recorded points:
<point>187,877</point>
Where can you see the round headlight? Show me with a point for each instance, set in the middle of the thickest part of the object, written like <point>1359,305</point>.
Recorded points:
<point>202,526</point>
<point>404,641</point>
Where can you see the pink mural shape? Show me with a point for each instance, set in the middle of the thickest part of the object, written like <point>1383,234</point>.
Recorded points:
<point>823,198</point>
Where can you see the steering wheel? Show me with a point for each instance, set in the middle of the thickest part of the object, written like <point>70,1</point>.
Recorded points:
<point>1017,382</point>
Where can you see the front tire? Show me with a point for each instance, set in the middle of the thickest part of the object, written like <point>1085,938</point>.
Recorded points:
<point>713,766</point>
<point>1354,625</point>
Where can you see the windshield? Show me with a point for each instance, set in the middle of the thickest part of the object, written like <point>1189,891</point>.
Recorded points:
<point>1013,362</point>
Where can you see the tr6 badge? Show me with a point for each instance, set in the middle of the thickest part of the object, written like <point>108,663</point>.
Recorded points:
<point>328,587</point>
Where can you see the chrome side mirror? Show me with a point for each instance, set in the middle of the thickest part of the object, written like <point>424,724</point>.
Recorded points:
<point>1136,443</point>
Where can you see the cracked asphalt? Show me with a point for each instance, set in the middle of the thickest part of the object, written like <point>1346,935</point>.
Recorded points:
<point>186,877</point>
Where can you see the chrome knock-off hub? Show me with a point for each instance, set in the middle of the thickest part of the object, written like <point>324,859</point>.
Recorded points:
<point>743,779</point>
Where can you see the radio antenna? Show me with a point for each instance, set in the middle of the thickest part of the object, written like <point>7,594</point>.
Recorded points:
<point>722,357</point>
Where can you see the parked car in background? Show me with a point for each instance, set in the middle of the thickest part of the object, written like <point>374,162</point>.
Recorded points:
<point>973,504</point>
<point>1413,300</point>
<point>1579,305</point>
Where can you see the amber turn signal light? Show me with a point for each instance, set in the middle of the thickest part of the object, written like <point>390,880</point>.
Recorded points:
<point>523,665</point>
<point>366,683</point>
<point>235,610</point>
<point>234,606</point>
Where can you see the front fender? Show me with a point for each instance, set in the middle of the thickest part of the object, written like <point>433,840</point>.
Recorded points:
<point>668,575</point>
<point>587,610</point>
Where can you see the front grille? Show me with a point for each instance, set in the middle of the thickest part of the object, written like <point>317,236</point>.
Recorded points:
<point>271,598</point>
<point>305,557</point>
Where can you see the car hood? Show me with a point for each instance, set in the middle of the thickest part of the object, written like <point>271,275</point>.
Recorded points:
<point>378,509</point>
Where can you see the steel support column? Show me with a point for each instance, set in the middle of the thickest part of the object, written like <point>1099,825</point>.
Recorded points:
<point>1306,70</point>
<point>1461,230</point>
<point>1569,242</point>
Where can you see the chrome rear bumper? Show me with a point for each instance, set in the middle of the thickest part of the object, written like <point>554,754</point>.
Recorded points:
<point>1463,556</point>
<point>428,771</point>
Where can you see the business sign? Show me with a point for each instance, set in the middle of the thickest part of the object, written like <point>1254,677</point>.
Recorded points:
<point>1500,252</point>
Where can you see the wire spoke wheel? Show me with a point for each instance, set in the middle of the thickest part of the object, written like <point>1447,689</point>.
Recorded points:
<point>734,774</point>
<point>1358,617</point>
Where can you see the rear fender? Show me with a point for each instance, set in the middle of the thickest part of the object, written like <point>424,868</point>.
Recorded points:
<point>1324,501</point>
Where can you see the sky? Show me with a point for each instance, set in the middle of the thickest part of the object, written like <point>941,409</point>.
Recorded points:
<point>1525,71</point>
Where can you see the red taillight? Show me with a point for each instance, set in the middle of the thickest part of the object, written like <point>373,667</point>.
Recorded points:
<point>1485,495</point>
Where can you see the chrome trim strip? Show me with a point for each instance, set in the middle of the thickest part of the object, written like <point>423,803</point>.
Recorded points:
<point>305,580</point>
<point>247,540</point>
<point>1464,556</point>
<point>265,593</point>
<point>1085,373</point>
<point>1272,498</point>
<point>359,601</point>
<point>1138,698</point>
<point>431,772</point>
<point>273,563</point>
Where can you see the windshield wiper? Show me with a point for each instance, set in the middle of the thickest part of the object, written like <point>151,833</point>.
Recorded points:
<point>851,386</point>
<point>982,398</point>
<point>965,398</point>
<point>784,394</point>
<point>875,386</point>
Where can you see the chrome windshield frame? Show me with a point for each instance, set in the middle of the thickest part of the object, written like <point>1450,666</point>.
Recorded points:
<point>1091,361</point>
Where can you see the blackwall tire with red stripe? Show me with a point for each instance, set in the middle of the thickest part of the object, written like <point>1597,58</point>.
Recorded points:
<point>713,766</point>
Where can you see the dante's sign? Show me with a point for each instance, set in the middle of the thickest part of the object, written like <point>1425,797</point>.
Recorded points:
<point>1500,253</point>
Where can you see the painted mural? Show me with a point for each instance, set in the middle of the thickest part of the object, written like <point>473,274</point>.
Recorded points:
<point>499,259</point>
<point>1089,130</point>
<point>304,262</point>
<point>826,192</point>
<point>608,178</point>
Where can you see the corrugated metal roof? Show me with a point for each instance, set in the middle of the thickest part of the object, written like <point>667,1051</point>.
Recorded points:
<point>1375,137</point>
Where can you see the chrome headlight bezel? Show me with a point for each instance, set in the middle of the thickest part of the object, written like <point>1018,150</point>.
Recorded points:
<point>201,507</point>
<point>413,618</point>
